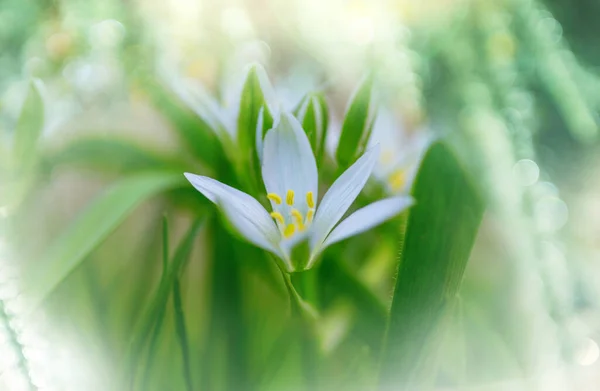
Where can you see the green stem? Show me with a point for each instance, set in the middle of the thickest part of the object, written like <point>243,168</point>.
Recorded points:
<point>308,319</point>
<point>182,335</point>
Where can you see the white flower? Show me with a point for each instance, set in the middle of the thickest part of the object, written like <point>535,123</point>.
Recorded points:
<point>290,176</point>
<point>401,153</point>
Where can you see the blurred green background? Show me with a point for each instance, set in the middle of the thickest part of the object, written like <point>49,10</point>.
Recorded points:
<point>112,99</point>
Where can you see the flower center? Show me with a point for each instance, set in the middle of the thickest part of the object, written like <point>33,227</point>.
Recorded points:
<point>288,216</point>
<point>397,179</point>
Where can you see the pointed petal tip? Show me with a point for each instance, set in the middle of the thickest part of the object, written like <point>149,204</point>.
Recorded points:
<point>192,177</point>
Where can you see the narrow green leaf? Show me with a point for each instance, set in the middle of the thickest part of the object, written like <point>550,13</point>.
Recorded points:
<point>440,233</point>
<point>226,323</point>
<point>29,126</point>
<point>195,132</point>
<point>372,312</point>
<point>165,247</point>
<point>321,102</point>
<point>154,312</point>
<point>313,114</point>
<point>357,126</point>
<point>106,154</point>
<point>252,100</point>
<point>160,316</point>
<point>182,335</point>
<point>92,226</point>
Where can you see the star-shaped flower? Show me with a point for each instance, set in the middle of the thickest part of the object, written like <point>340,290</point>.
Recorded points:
<point>401,153</point>
<point>290,176</point>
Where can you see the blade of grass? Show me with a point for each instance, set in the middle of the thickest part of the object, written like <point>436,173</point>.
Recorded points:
<point>251,101</point>
<point>372,311</point>
<point>29,126</point>
<point>92,226</point>
<point>357,126</point>
<point>441,230</point>
<point>182,335</point>
<point>165,247</point>
<point>160,316</point>
<point>226,326</point>
<point>111,154</point>
<point>156,307</point>
<point>196,134</point>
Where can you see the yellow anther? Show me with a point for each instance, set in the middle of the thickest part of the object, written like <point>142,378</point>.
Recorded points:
<point>290,197</point>
<point>278,217</point>
<point>397,179</point>
<point>310,215</point>
<point>275,198</point>
<point>310,201</point>
<point>289,230</point>
<point>297,215</point>
<point>299,219</point>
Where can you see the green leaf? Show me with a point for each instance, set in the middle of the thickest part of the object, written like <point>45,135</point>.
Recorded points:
<point>357,126</point>
<point>252,100</point>
<point>92,226</point>
<point>154,312</point>
<point>160,315</point>
<point>182,335</point>
<point>29,127</point>
<point>371,310</point>
<point>106,154</point>
<point>313,114</point>
<point>195,132</point>
<point>441,229</point>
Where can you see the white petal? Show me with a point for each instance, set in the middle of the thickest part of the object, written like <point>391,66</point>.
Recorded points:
<point>245,213</point>
<point>289,162</point>
<point>195,96</point>
<point>341,195</point>
<point>368,217</point>
<point>259,133</point>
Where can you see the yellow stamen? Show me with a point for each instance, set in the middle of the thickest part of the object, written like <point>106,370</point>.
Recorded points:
<point>290,197</point>
<point>310,201</point>
<point>275,198</point>
<point>397,179</point>
<point>297,215</point>
<point>278,216</point>
<point>310,215</point>
<point>299,219</point>
<point>289,230</point>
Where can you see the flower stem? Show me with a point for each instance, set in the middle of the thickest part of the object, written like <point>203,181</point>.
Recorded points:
<point>306,327</point>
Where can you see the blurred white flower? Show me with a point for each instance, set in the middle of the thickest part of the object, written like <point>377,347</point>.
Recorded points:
<point>400,152</point>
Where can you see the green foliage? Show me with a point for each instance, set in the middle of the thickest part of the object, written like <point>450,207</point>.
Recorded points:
<point>253,99</point>
<point>357,126</point>
<point>313,114</point>
<point>440,233</point>
<point>182,334</point>
<point>195,133</point>
<point>235,322</point>
<point>227,333</point>
<point>111,154</point>
<point>29,128</point>
<point>153,316</point>
<point>91,227</point>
